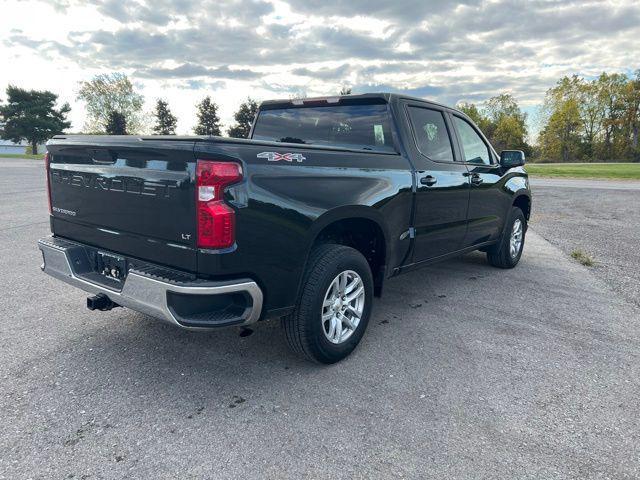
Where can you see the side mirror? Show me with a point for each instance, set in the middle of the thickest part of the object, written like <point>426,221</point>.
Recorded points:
<point>511,158</point>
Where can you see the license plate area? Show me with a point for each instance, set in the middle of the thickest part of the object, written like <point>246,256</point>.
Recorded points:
<point>113,267</point>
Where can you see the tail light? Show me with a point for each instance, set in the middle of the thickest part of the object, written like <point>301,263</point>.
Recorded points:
<point>216,219</point>
<point>47,161</point>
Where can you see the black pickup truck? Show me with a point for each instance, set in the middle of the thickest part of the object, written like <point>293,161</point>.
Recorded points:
<point>304,221</point>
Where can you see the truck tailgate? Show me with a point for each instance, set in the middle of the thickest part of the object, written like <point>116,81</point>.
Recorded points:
<point>126,194</point>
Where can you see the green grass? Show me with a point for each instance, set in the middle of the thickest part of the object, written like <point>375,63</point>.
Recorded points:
<point>22,155</point>
<point>583,257</point>
<point>618,171</point>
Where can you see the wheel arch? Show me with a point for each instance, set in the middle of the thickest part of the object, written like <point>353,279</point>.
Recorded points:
<point>523,202</point>
<point>359,227</point>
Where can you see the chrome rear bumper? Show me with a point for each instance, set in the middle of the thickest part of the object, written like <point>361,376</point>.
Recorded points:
<point>159,297</point>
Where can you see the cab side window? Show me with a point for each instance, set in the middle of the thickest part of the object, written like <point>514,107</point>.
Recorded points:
<point>474,150</point>
<point>432,136</point>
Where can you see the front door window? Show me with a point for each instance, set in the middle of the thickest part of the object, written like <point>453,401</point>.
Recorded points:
<point>474,150</point>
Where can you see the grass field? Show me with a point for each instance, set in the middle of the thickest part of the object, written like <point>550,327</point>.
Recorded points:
<point>618,171</point>
<point>13,155</point>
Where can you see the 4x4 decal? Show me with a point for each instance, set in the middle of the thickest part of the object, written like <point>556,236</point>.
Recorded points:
<point>287,157</point>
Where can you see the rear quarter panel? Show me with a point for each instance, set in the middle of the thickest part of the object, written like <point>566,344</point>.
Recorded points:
<point>281,207</point>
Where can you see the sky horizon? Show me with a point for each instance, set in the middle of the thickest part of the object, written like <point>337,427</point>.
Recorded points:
<point>184,50</point>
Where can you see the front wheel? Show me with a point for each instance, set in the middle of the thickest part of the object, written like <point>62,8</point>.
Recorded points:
<point>334,306</point>
<point>507,253</point>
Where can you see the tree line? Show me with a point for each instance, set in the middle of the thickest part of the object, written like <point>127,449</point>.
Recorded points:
<point>581,120</point>
<point>592,120</point>
<point>113,108</point>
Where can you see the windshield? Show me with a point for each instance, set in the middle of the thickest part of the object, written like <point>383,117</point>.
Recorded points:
<point>354,126</point>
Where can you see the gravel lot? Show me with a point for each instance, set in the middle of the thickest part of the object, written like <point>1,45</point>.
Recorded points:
<point>601,218</point>
<point>466,371</point>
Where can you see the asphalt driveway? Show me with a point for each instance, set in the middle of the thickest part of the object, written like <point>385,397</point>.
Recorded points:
<point>598,217</point>
<point>466,371</point>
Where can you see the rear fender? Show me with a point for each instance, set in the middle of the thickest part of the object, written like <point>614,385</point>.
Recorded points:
<point>351,212</point>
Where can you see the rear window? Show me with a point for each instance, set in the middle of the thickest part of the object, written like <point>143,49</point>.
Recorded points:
<point>431,134</point>
<point>354,126</point>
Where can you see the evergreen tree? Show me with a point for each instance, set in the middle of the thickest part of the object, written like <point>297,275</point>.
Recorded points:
<point>244,119</point>
<point>208,120</point>
<point>31,115</point>
<point>116,123</point>
<point>165,121</point>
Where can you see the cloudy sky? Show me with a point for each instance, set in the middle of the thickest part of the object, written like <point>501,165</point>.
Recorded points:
<point>182,50</point>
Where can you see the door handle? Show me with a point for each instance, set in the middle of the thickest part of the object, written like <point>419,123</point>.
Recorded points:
<point>476,179</point>
<point>428,180</point>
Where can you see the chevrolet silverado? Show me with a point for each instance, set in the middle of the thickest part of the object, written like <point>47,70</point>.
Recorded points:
<point>304,221</point>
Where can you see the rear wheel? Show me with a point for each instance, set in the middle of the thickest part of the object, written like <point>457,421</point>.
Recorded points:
<point>507,253</point>
<point>334,306</point>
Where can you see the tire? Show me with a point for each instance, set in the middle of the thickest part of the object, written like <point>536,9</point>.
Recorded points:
<point>306,330</point>
<point>501,255</point>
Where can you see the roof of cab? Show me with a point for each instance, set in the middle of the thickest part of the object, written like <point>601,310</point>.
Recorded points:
<point>386,97</point>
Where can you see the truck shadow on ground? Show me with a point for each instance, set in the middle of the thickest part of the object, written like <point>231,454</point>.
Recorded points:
<point>134,356</point>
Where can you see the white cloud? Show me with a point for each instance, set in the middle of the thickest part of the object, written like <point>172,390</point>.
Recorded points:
<point>182,50</point>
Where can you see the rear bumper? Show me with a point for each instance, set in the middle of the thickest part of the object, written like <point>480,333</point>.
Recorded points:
<point>195,304</point>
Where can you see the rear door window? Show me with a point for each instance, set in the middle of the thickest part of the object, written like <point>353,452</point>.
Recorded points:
<point>365,127</point>
<point>432,136</point>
